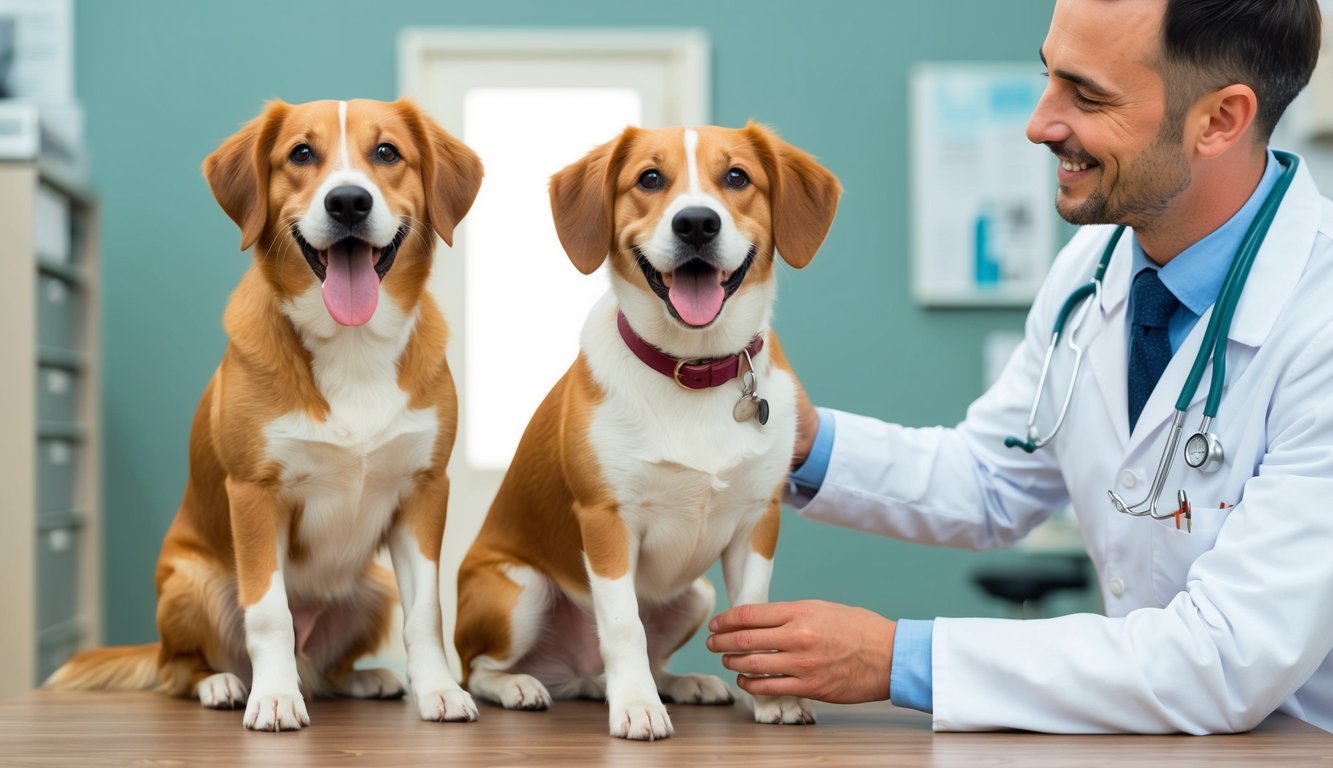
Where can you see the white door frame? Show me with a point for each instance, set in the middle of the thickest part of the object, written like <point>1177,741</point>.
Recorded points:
<point>685,50</point>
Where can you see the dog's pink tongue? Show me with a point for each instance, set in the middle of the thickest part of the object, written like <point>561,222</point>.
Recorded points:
<point>351,287</point>
<point>697,296</point>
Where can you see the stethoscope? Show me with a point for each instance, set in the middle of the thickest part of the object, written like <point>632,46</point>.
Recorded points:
<point>1203,449</point>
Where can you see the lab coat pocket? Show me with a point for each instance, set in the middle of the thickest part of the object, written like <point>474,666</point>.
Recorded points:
<point>1175,550</point>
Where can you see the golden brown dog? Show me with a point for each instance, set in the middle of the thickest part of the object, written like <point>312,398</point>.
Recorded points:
<point>324,433</point>
<point>665,445</point>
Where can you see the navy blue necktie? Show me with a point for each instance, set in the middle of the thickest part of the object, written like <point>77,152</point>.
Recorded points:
<point>1149,345</point>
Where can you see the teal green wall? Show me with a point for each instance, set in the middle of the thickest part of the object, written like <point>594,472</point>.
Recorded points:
<point>164,81</point>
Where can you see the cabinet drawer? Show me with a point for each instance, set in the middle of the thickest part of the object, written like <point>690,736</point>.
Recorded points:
<point>59,313</point>
<point>57,464</point>
<point>52,230</point>
<point>58,574</point>
<point>57,393</point>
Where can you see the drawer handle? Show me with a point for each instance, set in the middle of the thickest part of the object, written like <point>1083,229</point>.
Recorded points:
<point>57,382</point>
<point>55,292</point>
<point>60,452</point>
<point>59,540</point>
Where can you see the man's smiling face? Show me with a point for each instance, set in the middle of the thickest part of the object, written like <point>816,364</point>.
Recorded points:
<point>1104,113</point>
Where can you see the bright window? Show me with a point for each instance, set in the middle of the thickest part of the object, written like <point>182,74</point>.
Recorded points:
<point>524,302</point>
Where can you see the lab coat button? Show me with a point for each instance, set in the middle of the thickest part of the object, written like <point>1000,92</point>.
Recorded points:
<point>1128,478</point>
<point>1117,587</point>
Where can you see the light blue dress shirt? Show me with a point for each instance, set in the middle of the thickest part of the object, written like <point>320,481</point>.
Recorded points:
<point>1194,276</point>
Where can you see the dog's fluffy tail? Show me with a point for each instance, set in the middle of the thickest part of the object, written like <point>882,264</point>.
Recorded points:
<point>121,668</point>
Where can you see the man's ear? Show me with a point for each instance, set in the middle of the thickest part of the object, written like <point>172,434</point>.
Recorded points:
<point>1223,117</point>
<point>450,171</point>
<point>582,196</point>
<point>805,196</point>
<point>237,172</point>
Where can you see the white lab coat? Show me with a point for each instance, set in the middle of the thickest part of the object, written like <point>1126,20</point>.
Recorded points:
<point>1206,632</point>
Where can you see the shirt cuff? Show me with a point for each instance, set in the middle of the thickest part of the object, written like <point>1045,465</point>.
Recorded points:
<point>808,477</point>
<point>911,682</point>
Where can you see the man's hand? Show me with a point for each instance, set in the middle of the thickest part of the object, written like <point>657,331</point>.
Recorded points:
<point>823,651</point>
<point>807,426</point>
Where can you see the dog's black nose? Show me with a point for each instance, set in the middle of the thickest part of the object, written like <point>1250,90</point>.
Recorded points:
<point>348,204</point>
<point>697,225</point>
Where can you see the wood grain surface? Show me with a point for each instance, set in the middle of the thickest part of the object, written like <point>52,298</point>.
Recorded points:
<point>45,728</point>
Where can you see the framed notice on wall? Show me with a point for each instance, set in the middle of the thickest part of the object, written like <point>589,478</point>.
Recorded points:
<point>983,196</point>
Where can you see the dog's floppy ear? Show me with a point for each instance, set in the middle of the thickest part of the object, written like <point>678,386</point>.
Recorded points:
<point>237,172</point>
<point>450,171</point>
<point>582,196</point>
<point>805,196</point>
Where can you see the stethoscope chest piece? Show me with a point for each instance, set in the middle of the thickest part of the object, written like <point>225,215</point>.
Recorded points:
<point>1203,451</point>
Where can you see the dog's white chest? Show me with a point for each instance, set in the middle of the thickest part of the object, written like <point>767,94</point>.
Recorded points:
<point>688,477</point>
<point>348,473</point>
<point>687,486</point>
<point>347,481</point>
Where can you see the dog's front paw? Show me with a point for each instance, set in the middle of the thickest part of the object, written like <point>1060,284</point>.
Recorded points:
<point>451,705</point>
<point>221,691</point>
<point>698,689</point>
<point>276,712</point>
<point>376,683</point>
<point>524,692</point>
<point>783,709</point>
<point>641,721</point>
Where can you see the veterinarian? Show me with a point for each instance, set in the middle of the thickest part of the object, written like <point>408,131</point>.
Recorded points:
<point>1213,551</point>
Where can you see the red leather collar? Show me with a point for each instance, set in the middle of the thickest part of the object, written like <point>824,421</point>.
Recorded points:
<point>691,374</point>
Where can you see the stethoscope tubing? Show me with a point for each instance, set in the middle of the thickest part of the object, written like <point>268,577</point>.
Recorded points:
<point>1219,325</point>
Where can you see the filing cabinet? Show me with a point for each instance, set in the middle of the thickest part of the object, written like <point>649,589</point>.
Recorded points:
<point>50,421</point>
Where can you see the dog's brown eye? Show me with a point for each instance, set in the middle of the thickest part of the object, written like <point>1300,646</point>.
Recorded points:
<point>386,153</point>
<point>736,178</point>
<point>651,179</point>
<point>302,154</point>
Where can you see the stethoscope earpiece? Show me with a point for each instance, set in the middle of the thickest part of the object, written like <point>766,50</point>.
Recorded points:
<point>1026,445</point>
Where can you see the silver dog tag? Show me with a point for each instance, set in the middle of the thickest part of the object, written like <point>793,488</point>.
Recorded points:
<point>751,405</point>
<point>747,407</point>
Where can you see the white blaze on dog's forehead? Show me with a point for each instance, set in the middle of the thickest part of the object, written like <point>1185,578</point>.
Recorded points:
<point>318,228</point>
<point>342,133</point>
<point>691,162</point>
<point>731,246</point>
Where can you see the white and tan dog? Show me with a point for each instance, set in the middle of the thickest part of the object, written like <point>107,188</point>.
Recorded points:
<point>324,433</point>
<point>650,459</point>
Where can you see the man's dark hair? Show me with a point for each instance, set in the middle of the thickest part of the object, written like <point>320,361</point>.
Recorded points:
<point>1269,45</point>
